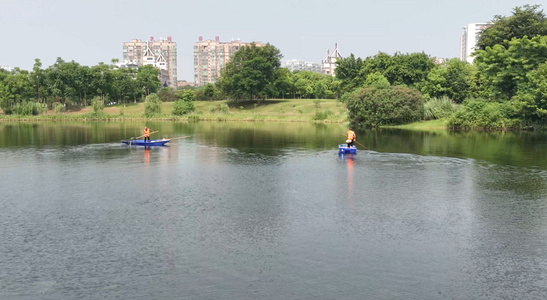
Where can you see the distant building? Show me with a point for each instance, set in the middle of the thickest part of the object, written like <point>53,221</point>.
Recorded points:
<point>7,68</point>
<point>328,65</point>
<point>300,65</point>
<point>439,60</point>
<point>161,54</point>
<point>469,39</point>
<point>184,83</point>
<point>210,56</point>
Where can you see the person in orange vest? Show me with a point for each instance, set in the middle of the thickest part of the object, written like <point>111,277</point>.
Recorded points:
<point>146,134</point>
<point>350,137</point>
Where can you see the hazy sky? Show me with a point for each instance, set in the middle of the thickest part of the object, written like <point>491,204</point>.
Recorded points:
<point>90,32</point>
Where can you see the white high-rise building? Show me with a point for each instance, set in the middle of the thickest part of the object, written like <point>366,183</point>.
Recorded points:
<point>469,39</point>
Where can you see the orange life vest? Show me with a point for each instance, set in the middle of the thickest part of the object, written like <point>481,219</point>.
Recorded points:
<point>350,135</point>
<point>146,132</point>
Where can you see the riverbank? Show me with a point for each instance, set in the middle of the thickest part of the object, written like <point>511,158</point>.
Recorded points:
<point>283,110</point>
<point>277,110</point>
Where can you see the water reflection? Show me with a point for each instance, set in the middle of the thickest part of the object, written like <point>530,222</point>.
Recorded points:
<point>348,158</point>
<point>247,211</point>
<point>146,155</point>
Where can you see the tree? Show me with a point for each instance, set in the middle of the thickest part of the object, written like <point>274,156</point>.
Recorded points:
<point>251,72</point>
<point>503,70</point>
<point>152,105</point>
<point>147,79</point>
<point>527,20</point>
<point>533,95</point>
<point>166,95</point>
<point>453,79</point>
<point>348,71</point>
<point>376,80</point>
<point>37,79</point>
<point>400,69</point>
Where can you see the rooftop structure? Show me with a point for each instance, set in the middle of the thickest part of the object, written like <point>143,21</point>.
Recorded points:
<point>161,54</point>
<point>328,64</point>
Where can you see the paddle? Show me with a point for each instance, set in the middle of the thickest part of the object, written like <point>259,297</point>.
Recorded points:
<point>360,144</point>
<point>143,135</point>
<point>180,137</point>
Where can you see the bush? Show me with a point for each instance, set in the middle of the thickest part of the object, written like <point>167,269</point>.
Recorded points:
<point>317,102</point>
<point>97,105</point>
<point>58,107</point>
<point>478,113</point>
<point>322,115</point>
<point>376,106</point>
<point>439,108</point>
<point>29,108</point>
<point>152,105</point>
<point>183,107</point>
<point>224,108</point>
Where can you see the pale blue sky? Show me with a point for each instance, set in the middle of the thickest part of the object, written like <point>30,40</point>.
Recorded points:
<point>90,32</point>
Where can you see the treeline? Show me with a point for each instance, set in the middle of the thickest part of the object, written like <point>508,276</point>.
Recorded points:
<point>69,83</point>
<point>504,88</point>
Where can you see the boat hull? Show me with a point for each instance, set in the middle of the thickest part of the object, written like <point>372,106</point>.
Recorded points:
<point>344,149</point>
<point>146,143</point>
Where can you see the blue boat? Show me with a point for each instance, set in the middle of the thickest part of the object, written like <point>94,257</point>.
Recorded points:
<point>161,142</point>
<point>344,149</point>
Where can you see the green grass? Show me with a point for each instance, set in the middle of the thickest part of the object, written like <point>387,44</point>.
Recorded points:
<point>431,125</point>
<point>276,110</point>
<point>289,110</point>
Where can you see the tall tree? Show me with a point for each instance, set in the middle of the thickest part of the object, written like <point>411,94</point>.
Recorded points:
<point>251,72</point>
<point>348,71</point>
<point>147,79</point>
<point>527,20</point>
<point>37,79</point>
<point>503,70</point>
<point>454,79</point>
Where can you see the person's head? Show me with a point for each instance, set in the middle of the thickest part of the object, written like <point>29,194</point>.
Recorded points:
<point>145,127</point>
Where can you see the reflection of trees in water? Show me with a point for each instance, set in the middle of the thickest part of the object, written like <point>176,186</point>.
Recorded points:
<point>273,138</point>
<point>505,148</point>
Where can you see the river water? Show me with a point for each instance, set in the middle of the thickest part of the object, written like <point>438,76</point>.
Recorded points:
<point>270,211</point>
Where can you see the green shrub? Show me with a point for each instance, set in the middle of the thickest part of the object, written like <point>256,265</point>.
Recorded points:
<point>152,105</point>
<point>29,108</point>
<point>317,102</point>
<point>439,108</point>
<point>58,107</point>
<point>393,105</point>
<point>224,108</point>
<point>481,114</point>
<point>183,107</point>
<point>321,115</point>
<point>97,105</point>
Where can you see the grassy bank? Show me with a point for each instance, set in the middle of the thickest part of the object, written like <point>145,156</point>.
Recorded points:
<point>288,110</point>
<point>280,110</point>
<point>432,125</point>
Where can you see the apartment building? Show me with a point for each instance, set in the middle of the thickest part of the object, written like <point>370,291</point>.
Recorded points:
<point>469,39</point>
<point>210,56</point>
<point>161,53</point>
